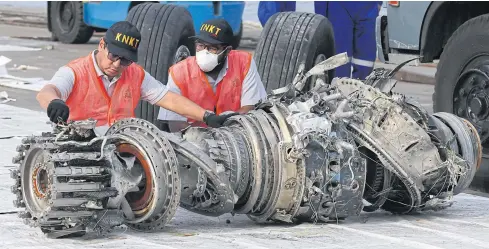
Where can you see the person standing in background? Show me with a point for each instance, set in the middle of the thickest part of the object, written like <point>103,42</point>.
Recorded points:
<point>266,9</point>
<point>354,32</point>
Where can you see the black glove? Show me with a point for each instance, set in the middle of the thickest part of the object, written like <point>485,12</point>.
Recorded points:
<point>57,109</point>
<point>215,121</point>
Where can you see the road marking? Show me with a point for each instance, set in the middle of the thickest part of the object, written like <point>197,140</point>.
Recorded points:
<point>482,224</point>
<point>411,243</point>
<point>450,235</point>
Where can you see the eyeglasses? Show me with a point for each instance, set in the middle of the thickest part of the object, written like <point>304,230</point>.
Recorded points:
<point>112,57</point>
<point>211,48</point>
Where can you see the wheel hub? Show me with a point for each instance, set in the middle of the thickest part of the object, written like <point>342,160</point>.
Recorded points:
<point>477,106</point>
<point>67,16</point>
<point>471,99</point>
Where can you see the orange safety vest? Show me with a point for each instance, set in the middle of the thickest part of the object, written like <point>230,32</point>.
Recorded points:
<point>193,83</point>
<point>89,99</point>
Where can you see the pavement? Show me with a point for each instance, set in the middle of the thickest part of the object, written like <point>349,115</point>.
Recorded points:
<point>424,73</point>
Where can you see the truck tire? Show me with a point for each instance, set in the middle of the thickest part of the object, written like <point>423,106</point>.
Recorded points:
<point>462,83</point>
<point>237,38</point>
<point>288,40</point>
<point>67,23</point>
<point>165,28</point>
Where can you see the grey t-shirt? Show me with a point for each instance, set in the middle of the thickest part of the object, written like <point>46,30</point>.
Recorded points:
<point>253,90</point>
<point>151,89</point>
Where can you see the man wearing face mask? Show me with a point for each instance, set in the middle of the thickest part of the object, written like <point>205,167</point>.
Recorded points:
<point>218,78</point>
<point>106,85</point>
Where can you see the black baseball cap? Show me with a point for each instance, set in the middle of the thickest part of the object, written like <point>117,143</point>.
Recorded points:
<point>216,32</point>
<point>123,40</point>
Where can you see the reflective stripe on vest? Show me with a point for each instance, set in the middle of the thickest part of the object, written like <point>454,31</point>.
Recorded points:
<point>193,83</point>
<point>89,99</point>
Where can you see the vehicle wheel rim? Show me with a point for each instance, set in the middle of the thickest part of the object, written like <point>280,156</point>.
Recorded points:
<point>67,16</point>
<point>471,98</point>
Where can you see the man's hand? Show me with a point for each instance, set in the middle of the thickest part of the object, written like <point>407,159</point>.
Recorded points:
<point>57,109</point>
<point>215,121</point>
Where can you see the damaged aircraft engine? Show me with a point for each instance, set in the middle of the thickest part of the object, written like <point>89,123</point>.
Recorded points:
<point>313,155</point>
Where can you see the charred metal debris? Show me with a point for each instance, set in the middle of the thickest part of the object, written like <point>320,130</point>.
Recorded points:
<point>320,154</point>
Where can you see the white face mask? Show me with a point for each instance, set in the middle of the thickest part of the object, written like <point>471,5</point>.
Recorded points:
<point>206,61</point>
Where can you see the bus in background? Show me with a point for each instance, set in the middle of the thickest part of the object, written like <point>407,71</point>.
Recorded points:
<point>74,22</point>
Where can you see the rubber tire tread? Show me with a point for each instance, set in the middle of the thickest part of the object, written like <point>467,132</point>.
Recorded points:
<point>237,38</point>
<point>163,27</point>
<point>289,39</point>
<point>468,41</point>
<point>81,32</point>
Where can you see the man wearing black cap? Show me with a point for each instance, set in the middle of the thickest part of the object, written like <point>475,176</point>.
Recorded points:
<point>218,78</point>
<point>107,85</point>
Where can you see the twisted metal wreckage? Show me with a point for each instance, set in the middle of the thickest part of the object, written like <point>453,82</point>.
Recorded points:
<point>302,156</point>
